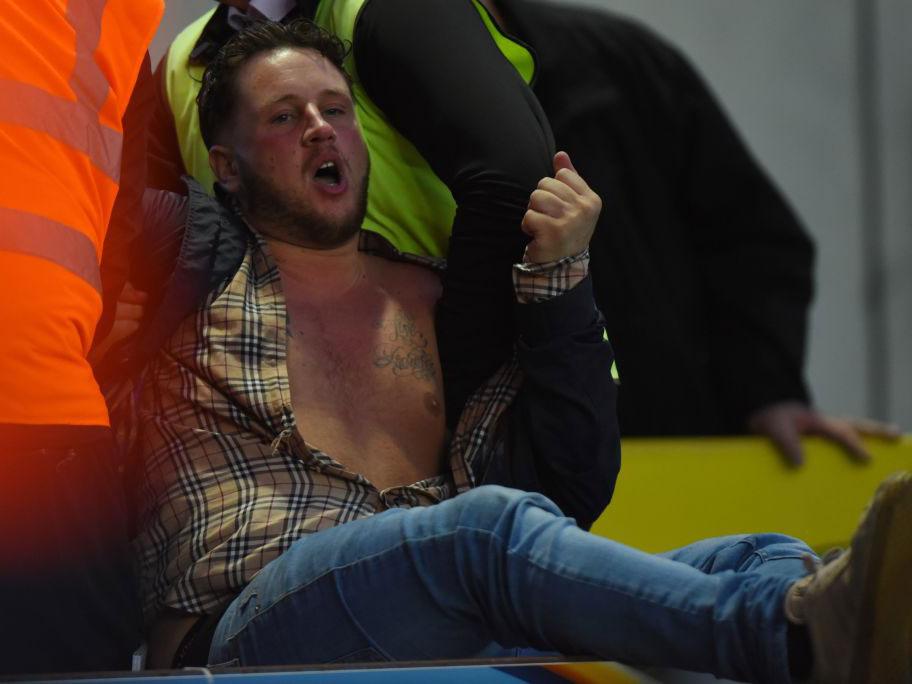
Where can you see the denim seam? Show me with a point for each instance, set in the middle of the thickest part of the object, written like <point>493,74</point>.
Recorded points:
<point>581,580</point>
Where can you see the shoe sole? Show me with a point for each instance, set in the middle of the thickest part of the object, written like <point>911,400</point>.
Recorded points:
<point>884,642</point>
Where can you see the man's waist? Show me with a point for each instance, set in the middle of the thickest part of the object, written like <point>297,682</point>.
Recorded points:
<point>178,640</point>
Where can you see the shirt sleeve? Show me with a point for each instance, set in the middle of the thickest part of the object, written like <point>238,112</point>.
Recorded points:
<point>538,282</point>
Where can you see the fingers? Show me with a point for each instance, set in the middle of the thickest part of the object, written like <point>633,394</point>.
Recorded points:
<point>788,443</point>
<point>566,173</point>
<point>562,161</point>
<point>562,214</point>
<point>558,188</point>
<point>842,433</point>
<point>875,428</point>
<point>549,203</point>
<point>785,422</point>
<point>129,312</point>
<point>130,295</point>
<point>787,440</point>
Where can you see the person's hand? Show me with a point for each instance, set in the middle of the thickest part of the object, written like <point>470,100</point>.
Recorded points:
<point>785,422</point>
<point>127,317</point>
<point>562,213</point>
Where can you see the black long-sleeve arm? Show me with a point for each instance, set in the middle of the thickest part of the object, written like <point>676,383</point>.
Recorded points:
<point>126,215</point>
<point>563,432</point>
<point>436,73</point>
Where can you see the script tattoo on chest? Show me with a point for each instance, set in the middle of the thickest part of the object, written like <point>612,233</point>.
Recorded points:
<point>404,349</point>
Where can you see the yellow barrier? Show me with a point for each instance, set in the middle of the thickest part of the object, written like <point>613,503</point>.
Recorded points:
<point>675,491</point>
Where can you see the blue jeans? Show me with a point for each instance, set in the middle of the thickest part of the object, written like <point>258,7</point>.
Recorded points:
<point>497,569</point>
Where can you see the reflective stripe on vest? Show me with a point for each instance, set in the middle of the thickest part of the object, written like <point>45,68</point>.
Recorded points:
<point>76,125</point>
<point>47,239</point>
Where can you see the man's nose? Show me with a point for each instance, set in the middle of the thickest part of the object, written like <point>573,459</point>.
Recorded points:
<point>317,129</point>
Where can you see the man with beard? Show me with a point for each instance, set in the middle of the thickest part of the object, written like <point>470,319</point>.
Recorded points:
<point>300,388</point>
<point>300,500</point>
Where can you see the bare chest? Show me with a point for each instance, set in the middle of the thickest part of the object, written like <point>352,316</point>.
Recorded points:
<point>361,352</point>
<point>365,385</point>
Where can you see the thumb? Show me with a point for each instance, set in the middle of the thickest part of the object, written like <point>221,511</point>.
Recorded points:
<point>788,442</point>
<point>562,161</point>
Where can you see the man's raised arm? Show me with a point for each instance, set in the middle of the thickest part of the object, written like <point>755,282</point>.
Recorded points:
<point>564,438</point>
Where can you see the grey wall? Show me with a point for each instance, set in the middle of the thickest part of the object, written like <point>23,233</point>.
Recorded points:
<point>895,86</point>
<point>822,92</point>
<point>178,13</point>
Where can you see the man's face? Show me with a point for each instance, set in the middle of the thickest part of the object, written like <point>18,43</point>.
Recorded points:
<point>301,163</point>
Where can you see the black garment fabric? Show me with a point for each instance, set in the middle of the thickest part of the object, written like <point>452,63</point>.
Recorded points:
<point>67,591</point>
<point>126,213</point>
<point>562,436</point>
<point>702,270</point>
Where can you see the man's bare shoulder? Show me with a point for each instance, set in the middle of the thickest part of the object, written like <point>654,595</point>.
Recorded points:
<point>407,280</point>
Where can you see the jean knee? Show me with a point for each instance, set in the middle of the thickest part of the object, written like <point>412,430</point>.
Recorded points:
<point>739,552</point>
<point>752,551</point>
<point>775,546</point>
<point>496,508</point>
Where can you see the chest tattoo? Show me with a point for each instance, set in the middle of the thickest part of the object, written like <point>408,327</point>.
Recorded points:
<point>404,349</point>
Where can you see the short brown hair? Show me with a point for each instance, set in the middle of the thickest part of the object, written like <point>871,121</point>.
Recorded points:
<point>218,92</point>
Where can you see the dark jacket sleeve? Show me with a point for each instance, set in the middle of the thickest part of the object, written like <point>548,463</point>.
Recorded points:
<point>434,70</point>
<point>165,166</point>
<point>152,258</point>
<point>756,259</point>
<point>563,436</point>
<point>126,214</point>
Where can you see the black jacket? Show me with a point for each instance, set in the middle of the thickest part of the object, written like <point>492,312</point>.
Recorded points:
<point>702,270</point>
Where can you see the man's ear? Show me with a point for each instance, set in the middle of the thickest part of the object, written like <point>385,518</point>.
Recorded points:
<point>224,166</point>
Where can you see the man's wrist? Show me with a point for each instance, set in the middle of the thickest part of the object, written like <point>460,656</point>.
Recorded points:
<point>537,282</point>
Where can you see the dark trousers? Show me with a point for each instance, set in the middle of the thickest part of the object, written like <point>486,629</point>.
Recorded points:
<point>67,596</point>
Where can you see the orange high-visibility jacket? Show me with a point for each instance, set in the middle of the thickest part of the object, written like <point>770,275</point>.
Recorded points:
<point>67,68</point>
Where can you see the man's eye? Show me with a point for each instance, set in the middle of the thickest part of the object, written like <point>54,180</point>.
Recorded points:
<point>333,111</point>
<point>281,118</point>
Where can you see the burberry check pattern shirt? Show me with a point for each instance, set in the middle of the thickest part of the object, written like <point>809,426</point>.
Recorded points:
<point>229,482</point>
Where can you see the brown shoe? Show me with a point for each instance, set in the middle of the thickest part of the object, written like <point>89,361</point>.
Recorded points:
<point>858,606</point>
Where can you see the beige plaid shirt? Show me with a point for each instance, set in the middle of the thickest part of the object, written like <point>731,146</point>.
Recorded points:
<point>229,483</point>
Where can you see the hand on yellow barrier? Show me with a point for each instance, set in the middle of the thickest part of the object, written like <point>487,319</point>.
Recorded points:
<point>785,422</point>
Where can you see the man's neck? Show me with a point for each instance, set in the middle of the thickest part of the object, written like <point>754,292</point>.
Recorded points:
<point>318,276</point>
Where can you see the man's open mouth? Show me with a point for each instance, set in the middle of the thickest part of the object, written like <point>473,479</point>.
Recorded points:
<point>328,174</point>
